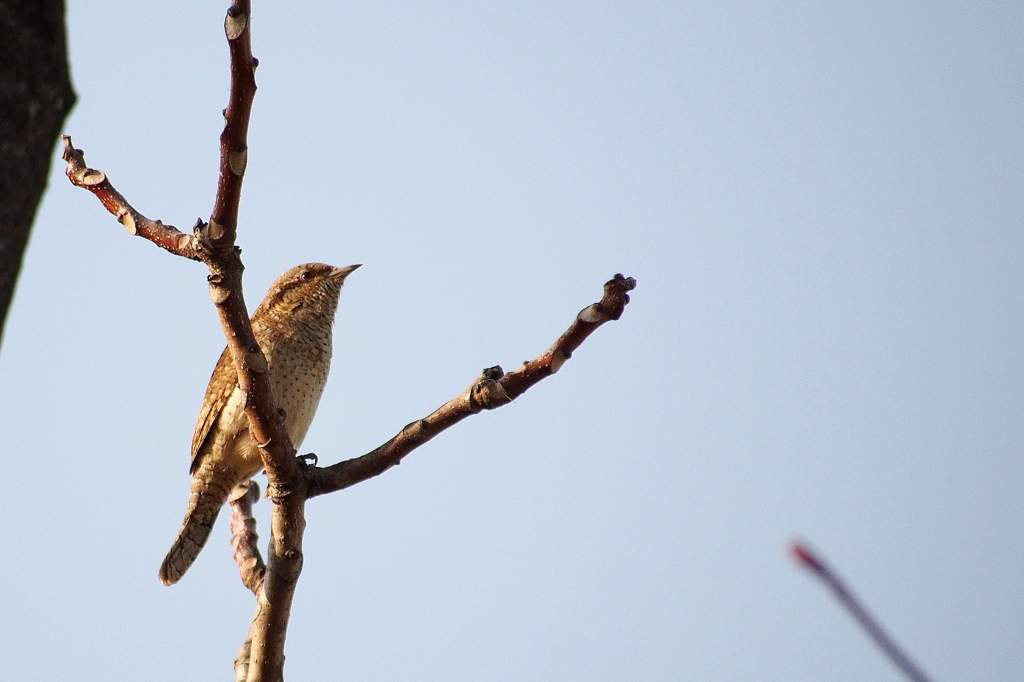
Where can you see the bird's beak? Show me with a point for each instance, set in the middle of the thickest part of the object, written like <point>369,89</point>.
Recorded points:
<point>341,273</point>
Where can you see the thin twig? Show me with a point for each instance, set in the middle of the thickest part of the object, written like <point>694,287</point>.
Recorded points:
<point>242,659</point>
<point>809,560</point>
<point>492,389</point>
<point>234,149</point>
<point>165,236</point>
<point>243,535</point>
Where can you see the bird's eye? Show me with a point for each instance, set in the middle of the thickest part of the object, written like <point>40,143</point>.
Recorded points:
<point>306,275</point>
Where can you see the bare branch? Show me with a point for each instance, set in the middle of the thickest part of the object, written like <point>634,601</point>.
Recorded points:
<point>242,659</point>
<point>492,389</point>
<point>214,244</point>
<point>285,484</point>
<point>243,535</point>
<point>234,149</point>
<point>261,657</point>
<point>806,558</point>
<point>166,237</point>
<point>273,602</point>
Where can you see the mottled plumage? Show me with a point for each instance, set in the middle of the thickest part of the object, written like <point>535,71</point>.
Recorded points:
<point>293,328</point>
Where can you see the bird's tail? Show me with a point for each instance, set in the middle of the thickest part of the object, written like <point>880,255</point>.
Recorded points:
<point>204,503</point>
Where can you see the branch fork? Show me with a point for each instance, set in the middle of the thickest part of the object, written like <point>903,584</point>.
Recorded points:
<point>291,480</point>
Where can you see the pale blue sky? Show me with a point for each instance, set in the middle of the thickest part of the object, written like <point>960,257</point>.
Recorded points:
<point>821,203</point>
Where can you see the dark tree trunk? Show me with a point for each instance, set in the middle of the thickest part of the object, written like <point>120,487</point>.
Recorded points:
<point>35,97</point>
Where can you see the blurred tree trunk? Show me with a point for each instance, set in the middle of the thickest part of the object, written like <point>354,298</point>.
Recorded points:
<point>35,97</point>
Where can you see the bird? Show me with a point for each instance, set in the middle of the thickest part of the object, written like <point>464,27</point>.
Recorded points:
<point>293,327</point>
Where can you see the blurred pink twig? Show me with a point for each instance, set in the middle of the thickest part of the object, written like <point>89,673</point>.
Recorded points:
<point>809,560</point>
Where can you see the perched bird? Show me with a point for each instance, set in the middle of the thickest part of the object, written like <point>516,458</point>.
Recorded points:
<point>293,328</point>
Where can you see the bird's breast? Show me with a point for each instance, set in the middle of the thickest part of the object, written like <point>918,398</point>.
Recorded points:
<point>298,373</point>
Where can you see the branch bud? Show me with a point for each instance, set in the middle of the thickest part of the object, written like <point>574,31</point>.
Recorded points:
<point>235,22</point>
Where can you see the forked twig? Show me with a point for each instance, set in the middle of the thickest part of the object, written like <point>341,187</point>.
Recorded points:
<point>261,656</point>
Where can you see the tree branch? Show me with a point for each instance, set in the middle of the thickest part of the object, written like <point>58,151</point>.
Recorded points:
<point>35,88</point>
<point>234,150</point>
<point>214,244</point>
<point>882,639</point>
<point>243,535</point>
<point>261,656</point>
<point>167,237</point>
<point>242,659</point>
<point>285,484</point>
<point>492,389</point>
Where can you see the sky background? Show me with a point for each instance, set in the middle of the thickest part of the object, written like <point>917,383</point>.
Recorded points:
<point>822,207</point>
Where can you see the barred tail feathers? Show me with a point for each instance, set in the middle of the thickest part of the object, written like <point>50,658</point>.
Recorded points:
<point>204,503</point>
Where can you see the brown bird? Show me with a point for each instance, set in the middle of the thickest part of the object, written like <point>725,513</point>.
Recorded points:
<point>293,327</point>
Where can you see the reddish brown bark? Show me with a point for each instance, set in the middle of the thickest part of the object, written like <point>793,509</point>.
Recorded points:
<point>261,657</point>
<point>493,389</point>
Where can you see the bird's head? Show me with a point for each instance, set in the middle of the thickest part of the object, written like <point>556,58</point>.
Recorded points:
<point>306,292</point>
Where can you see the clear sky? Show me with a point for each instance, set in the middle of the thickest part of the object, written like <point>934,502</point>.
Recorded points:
<point>822,206</point>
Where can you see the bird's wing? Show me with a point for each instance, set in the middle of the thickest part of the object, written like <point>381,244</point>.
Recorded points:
<point>222,384</point>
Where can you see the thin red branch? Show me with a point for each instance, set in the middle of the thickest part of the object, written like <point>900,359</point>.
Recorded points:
<point>234,149</point>
<point>492,389</point>
<point>166,237</point>
<point>285,484</point>
<point>812,562</point>
<point>218,240</point>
